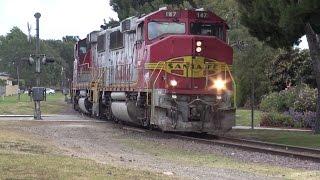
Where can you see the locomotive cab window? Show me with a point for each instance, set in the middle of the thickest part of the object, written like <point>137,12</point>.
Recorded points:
<point>116,40</point>
<point>156,29</point>
<point>140,33</point>
<point>207,30</point>
<point>82,48</point>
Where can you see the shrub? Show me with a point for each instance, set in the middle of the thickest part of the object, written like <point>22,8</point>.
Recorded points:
<point>278,101</point>
<point>294,107</point>
<point>306,100</point>
<point>303,119</point>
<point>271,102</point>
<point>301,98</point>
<point>276,119</point>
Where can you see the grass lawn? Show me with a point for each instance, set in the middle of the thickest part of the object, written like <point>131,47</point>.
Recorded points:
<point>243,117</point>
<point>11,105</point>
<point>304,139</point>
<point>25,157</point>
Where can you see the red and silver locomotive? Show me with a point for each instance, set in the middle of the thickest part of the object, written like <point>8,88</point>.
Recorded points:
<point>169,69</point>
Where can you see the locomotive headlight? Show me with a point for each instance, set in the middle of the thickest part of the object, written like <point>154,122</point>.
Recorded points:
<point>174,96</point>
<point>199,43</point>
<point>219,84</point>
<point>198,49</point>
<point>173,83</point>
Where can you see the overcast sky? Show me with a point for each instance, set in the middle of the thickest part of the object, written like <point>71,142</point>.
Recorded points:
<point>59,17</point>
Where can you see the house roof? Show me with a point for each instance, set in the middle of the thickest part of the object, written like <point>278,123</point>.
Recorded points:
<point>4,74</point>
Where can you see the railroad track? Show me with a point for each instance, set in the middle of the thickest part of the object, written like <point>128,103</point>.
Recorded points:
<point>259,146</point>
<point>249,145</point>
<point>302,153</point>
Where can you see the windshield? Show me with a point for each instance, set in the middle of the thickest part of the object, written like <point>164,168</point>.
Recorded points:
<point>156,29</point>
<point>207,30</point>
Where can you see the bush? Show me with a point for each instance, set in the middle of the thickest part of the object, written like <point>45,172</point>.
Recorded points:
<point>301,98</point>
<point>278,101</point>
<point>303,119</point>
<point>275,119</point>
<point>270,102</point>
<point>306,100</point>
<point>297,104</point>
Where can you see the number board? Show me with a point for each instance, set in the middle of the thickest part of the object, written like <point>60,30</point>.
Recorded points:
<point>202,15</point>
<point>172,14</point>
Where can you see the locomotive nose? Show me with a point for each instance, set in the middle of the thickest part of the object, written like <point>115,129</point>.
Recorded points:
<point>212,48</point>
<point>175,46</point>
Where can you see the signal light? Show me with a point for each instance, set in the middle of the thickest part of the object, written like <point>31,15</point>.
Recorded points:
<point>198,48</point>
<point>31,60</point>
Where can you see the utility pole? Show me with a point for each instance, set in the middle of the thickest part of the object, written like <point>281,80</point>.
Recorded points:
<point>18,77</point>
<point>37,112</point>
<point>37,16</point>
<point>252,98</point>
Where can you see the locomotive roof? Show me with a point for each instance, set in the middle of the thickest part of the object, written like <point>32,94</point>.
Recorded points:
<point>161,15</point>
<point>182,13</point>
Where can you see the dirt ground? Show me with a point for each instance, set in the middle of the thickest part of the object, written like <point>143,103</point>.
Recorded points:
<point>79,136</point>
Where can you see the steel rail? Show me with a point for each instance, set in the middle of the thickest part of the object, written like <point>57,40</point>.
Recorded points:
<point>263,147</point>
<point>274,145</point>
<point>296,152</point>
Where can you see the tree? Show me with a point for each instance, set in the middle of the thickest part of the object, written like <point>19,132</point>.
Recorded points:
<point>180,2</point>
<point>15,47</point>
<point>110,24</point>
<point>282,23</point>
<point>127,8</point>
<point>291,68</point>
<point>72,39</point>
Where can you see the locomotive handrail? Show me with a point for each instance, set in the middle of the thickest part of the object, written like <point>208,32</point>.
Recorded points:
<point>101,74</point>
<point>154,71</point>
<point>151,77</point>
<point>152,91</point>
<point>154,83</point>
<point>234,89</point>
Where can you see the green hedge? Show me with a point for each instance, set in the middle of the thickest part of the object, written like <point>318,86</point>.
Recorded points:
<point>275,119</point>
<point>301,99</point>
<point>293,107</point>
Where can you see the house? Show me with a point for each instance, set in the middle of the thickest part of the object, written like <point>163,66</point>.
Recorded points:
<point>9,89</point>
